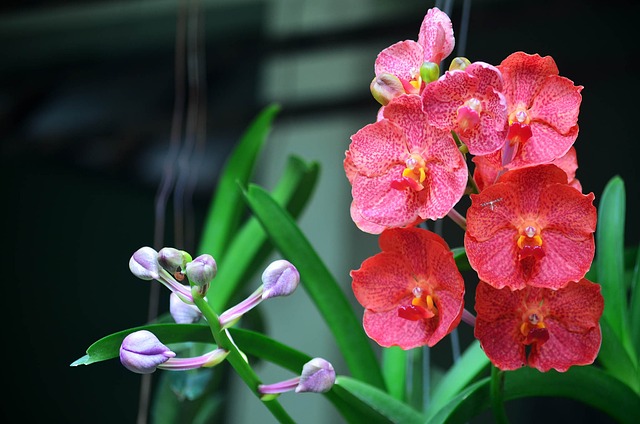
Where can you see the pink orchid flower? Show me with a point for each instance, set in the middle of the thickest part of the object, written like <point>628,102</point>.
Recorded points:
<point>531,228</point>
<point>412,291</point>
<point>538,327</point>
<point>402,169</point>
<point>469,102</point>
<point>543,110</point>
<point>398,67</point>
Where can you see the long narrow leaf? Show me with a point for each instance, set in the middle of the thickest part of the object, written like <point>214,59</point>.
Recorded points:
<point>610,255</point>
<point>388,406</point>
<point>226,206</point>
<point>394,370</point>
<point>320,284</point>
<point>588,385</point>
<point>470,365</point>
<point>250,247</point>
<point>634,305</point>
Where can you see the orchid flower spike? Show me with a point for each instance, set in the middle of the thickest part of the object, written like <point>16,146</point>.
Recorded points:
<point>280,278</point>
<point>144,264</point>
<point>142,353</point>
<point>318,376</point>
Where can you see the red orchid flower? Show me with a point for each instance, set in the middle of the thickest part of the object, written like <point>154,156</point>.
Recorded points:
<point>412,292</point>
<point>531,228</point>
<point>543,110</point>
<point>538,327</point>
<point>469,101</point>
<point>398,66</point>
<point>403,170</point>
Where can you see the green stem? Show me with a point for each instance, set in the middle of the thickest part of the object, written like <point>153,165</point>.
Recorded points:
<point>236,358</point>
<point>497,395</point>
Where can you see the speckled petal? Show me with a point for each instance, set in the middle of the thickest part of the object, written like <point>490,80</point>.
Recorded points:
<point>523,75</point>
<point>402,59</point>
<point>557,104</point>
<point>377,147</point>
<point>436,36</point>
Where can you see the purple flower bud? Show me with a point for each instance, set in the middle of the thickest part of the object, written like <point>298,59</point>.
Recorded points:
<point>181,312</point>
<point>202,270</point>
<point>317,376</point>
<point>171,259</point>
<point>141,352</point>
<point>144,263</point>
<point>280,278</point>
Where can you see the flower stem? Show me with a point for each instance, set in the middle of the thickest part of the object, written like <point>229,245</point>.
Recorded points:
<point>236,358</point>
<point>468,318</point>
<point>497,399</point>
<point>458,219</point>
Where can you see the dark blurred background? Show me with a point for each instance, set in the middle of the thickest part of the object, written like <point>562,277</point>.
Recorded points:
<point>87,98</point>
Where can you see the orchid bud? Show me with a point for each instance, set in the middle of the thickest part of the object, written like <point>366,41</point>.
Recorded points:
<point>171,259</point>
<point>386,87</point>
<point>201,270</point>
<point>429,72</point>
<point>183,313</point>
<point>141,352</point>
<point>280,278</point>
<point>317,376</point>
<point>459,63</point>
<point>144,263</point>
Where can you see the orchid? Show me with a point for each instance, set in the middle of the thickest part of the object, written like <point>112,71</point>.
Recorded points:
<point>412,290</point>
<point>526,249</point>
<point>470,102</point>
<point>402,169</point>
<point>538,327</point>
<point>543,110</point>
<point>398,67</point>
<point>531,228</point>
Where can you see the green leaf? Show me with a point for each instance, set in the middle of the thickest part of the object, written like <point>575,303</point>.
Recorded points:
<point>226,207</point>
<point>589,385</point>
<point>617,353</point>
<point>388,406</point>
<point>249,248</point>
<point>469,367</point>
<point>615,359</point>
<point>610,256</point>
<point>634,305</point>
<point>460,256</point>
<point>394,371</point>
<point>322,287</point>
<point>109,346</point>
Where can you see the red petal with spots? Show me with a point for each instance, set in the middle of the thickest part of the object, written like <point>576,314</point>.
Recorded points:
<point>486,170</point>
<point>406,112</point>
<point>523,75</point>
<point>574,331</point>
<point>443,99</point>
<point>377,158</point>
<point>539,196</point>
<point>544,146</point>
<point>498,326</point>
<point>571,318</point>
<point>402,59</point>
<point>557,104</point>
<point>378,202</point>
<point>410,258</point>
<point>376,147</point>
<point>436,36</point>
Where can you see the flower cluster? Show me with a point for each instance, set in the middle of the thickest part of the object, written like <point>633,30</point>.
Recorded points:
<point>142,352</point>
<point>529,229</point>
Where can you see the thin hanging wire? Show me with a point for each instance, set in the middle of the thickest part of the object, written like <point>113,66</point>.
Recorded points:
<point>166,186</point>
<point>200,133</point>
<point>183,212</point>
